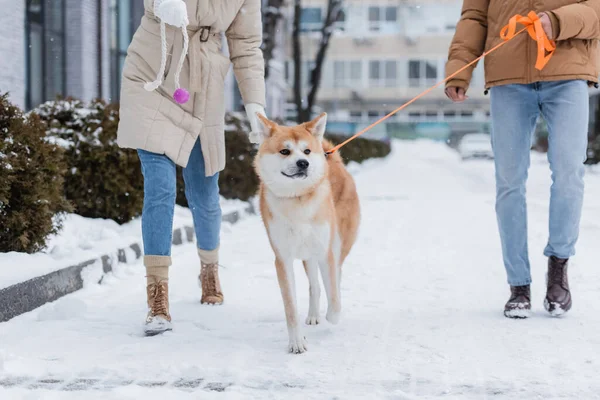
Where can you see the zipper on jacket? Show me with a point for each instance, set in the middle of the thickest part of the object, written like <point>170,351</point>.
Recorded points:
<point>527,64</point>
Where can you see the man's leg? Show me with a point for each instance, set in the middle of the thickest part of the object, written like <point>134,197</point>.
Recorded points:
<point>514,111</point>
<point>566,109</point>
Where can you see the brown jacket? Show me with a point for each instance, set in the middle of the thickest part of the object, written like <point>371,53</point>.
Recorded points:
<point>153,121</point>
<point>576,28</point>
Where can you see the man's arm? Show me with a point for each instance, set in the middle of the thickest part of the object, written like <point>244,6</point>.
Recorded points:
<point>576,21</point>
<point>468,42</point>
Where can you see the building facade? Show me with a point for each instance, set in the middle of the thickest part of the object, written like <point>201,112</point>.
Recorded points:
<point>77,48</point>
<point>383,53</point>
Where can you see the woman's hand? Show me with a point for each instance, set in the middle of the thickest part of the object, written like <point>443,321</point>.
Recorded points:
<point>252,109</point>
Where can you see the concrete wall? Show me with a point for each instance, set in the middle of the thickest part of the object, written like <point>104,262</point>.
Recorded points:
<point>12,50</point>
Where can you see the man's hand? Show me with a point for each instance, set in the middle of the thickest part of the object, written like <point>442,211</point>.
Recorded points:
<point>456,94</point>
<point>546,24</point>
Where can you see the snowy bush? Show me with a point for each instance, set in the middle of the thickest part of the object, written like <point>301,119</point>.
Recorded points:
<point>238,180</point>
<point>361,149</point>
<point>31,182</point>
<point>103,180</point>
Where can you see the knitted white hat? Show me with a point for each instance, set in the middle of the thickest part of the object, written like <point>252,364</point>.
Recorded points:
<point>172,12</point>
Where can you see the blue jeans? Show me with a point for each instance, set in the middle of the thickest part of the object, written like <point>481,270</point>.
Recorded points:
<point>515,109</point>
<point>160,191</point>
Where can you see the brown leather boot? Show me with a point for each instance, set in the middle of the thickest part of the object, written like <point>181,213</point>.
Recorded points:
<point>159,318</point>
<point>558,296</point>
<point>519,304</point>
<point>209,282</point>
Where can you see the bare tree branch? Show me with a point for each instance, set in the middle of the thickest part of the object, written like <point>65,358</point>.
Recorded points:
<point>334,10</point>
<point>272,14</point>
<point>297,49</point>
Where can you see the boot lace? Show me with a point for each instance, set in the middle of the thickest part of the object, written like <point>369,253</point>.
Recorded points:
<point>556,273</point>
<point>159,305</point>
<point>210,276</point>
<point>520,291</point>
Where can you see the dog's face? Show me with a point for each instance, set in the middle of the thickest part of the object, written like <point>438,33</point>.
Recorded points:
<point>291,160</point>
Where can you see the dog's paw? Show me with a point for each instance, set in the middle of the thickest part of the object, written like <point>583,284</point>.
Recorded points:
<point>333,316</point>
<point>313,319</point>
<point>297,344</point>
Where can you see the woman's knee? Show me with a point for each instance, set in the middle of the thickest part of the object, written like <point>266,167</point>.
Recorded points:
<point>160,183</point>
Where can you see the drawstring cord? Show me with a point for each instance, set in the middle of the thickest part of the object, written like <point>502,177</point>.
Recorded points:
<point>161,9</point>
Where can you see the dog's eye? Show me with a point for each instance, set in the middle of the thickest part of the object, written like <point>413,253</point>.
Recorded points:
<point>285,152</point>
<point>307,151</point>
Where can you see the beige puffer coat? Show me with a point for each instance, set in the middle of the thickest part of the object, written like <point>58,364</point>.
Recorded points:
<point>152,120</point>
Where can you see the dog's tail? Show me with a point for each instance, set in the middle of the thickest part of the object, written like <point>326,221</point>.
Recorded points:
<point>327,146</point>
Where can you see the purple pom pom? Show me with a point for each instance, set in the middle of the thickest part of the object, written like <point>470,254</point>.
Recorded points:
<point>181,96</point>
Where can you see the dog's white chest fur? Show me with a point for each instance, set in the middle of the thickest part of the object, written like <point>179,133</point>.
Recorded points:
<point>294,231</point>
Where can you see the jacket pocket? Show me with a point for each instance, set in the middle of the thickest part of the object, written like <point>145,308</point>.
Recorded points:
<point>215,89</point>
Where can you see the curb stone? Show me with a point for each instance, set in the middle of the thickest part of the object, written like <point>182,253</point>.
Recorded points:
<point>26,296</point>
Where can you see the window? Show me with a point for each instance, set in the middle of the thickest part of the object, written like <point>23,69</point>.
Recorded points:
<point>373,114</point>
<point>449,114</point>
<point>125,17</point>
<point>374,71</point>
<point>391,14</point>
<point>431,115</point>
<point>382,18</point>
<point>347,73</point>
<point>339,69</point>
<point>341,21</point>
<point>383,73</point>
<point>311,19</point>
<point>356,114</point>
<point>46,52</point>
<point>421,73</point>
<point>391,73</point>
<point>466,114</point>
<point>355,71</point>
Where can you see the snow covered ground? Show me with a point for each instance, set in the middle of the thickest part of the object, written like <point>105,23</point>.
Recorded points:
<point>83,239</point>
<point>423,292</point>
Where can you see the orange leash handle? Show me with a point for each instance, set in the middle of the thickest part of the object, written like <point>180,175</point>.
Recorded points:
<point>533,26</point>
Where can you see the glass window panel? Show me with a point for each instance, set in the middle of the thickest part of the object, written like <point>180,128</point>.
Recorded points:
<point>414,70</point>
<point>356,70</point>
<point>391,14</point>
<point>374,14</point>
<point>374,70</point>
<point>391,70</point>
<point>430,70</point>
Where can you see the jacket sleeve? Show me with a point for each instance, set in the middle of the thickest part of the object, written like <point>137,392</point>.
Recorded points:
<point>576,21</point>
<point>468,42</point>
<point>244,38</point>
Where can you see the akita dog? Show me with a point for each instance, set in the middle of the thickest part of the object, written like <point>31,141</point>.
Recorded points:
<point>310,208</point>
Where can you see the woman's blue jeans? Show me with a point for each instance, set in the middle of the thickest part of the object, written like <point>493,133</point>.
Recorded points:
<point>160,191</point>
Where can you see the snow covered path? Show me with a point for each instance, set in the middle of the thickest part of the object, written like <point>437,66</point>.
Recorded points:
<point>422,296</point>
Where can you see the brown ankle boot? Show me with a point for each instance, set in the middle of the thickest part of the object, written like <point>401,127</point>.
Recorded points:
<point>519,304</point>
<point>159,318</point>
<point>211,287</point>
<point>558,295</point>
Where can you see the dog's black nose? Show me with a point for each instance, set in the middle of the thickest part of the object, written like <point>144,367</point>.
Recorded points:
<point>302,164</point>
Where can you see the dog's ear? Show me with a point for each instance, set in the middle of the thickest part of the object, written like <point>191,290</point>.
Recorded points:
<point>265,125</point>
<point>317,126</point>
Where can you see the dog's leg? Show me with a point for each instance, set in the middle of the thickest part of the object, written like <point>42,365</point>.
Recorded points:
<point>285,275</point>
<point>314,290</point>
<point>330,275</point>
